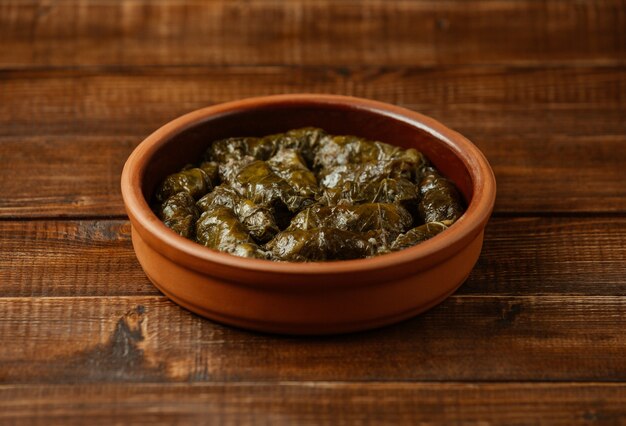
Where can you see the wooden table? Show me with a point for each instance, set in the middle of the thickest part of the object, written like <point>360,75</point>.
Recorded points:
<point>537,333</point>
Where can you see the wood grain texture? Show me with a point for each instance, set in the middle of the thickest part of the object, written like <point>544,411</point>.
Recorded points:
<point>63,175</point>
<point>141,32</point>
<point>69,258</point>
<point>466,338</point>
<point>478,101</point>
<point>535,335</point>
<point>521,256</point>
<point>316,403</point>
<point>547,255</point>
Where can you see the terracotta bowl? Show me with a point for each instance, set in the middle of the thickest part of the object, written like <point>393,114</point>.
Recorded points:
<point>307,298</point>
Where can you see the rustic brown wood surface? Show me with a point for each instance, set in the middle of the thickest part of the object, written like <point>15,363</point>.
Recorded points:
<point>536,335</point>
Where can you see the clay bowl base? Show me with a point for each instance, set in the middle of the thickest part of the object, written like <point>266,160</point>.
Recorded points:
<point>305,312</point>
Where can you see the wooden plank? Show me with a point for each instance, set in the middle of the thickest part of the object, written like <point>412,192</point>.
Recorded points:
<point>533,102</point>
<point>324,32</point>
<point>317,403</point>
<point>467,338</point>
<point>558,173</point>
<point>70,258</point>
<point>63,175</point>
<point>526,127</point>
<point>547,255</point>
<point>521,256</point>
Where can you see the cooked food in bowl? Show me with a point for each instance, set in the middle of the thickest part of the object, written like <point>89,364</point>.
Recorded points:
<point>308,196</point>
<point>315,297</point>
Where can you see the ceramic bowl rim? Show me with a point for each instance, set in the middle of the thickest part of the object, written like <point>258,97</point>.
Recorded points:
<point>184,251</point>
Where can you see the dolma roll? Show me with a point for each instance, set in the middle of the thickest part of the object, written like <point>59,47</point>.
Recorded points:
<point>227,149</point>
<point>440,200</point>
<point>383,181</point>
<point>289,165</point>
<point>417,235</point>
<point>179,213</point>
<point>306,141</point>
<point>319,244</point>
<point>340,150</point>
<point>386,220</point>
<point>220,229</point>
<point>400,191</point>
<point>211,168</point>
<point>258,183</point>
<point>257,219</point>
<point>195,181</point>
